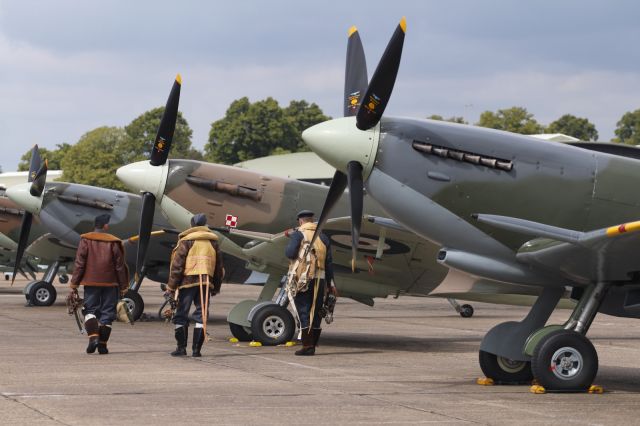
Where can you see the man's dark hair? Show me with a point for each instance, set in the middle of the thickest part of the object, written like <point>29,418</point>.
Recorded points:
<point>199,219</point>
<point>102,220</point>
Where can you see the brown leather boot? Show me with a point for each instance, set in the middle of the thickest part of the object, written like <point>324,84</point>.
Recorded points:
<point>308,348</point>
<point>91,325</point>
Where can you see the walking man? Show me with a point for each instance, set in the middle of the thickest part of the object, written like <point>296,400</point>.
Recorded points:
<point>100,267</point>
<point>195,265</point>
<point>309,300</point>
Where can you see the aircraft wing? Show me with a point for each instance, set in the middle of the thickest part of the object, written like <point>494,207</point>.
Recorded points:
<point>49,248</point>
<point>601,255</point>
<point>390,260</point>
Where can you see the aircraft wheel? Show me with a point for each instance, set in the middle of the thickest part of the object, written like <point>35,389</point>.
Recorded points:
<point>64,278</point>
<point>272,325</point>
<point>42,294</point>
<point>505,371</point>
<point>466,311</point>
<point>565,361</point>
<point>135,304</point>
<point>241,333</point>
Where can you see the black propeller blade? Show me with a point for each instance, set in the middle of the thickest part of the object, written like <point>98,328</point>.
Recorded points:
<point>338,184</point>
<point>370,108</point>
<point>144,232</point>
<point>27,219</point>
<point>160,150</point>
<point>381,85</point>
<point>159,155</point>
<point>356,195</point>
<point>355,77</point>
<point>37,187</point>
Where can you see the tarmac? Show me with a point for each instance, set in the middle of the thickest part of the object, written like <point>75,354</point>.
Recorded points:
<point>405,361</point>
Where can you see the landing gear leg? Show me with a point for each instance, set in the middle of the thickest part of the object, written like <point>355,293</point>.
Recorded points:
<point>465,311</point>
<point>563,358</point>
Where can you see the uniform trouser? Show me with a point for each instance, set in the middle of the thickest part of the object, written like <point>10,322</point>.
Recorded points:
<point>186,296</point>
<point>101,302</point>
<point>304,303</point>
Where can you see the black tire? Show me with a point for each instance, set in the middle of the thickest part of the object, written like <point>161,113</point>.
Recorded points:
<point>64,278</point>
<point>27,290</point>
<point>505,371</point>
<point>565,361</point>
<point>272,325</point>
<point>42,294</point>
<point>241,333</point>
<point>134,303</point>
<point>466,311</point>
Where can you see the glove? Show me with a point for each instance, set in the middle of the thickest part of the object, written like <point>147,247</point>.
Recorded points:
<point>169,293</point>
<point>332,289</point>
<point>123,292</point>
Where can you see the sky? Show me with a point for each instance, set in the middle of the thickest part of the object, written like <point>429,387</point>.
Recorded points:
<point>67,67</point>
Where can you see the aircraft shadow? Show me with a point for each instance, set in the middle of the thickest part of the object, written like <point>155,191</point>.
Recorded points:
<point>386,342</point>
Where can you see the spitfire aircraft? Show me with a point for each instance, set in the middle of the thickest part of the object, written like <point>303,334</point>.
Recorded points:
<point>502,206</point>
<point>396,261</point>
<point>56,214</point>
<point>38,247</point>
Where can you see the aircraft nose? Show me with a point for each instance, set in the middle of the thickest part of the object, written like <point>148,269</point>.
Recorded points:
<point>143,177</point>
<point>20,195</point>
<point>339,142</point>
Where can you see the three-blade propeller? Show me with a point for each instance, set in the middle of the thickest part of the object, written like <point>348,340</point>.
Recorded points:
<point>37,175</point>
<point>159,155</point>
<point>367,103</point>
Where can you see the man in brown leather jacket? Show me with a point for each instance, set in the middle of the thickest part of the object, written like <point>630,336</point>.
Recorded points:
<point>100,267</point>
<point>195,263</point>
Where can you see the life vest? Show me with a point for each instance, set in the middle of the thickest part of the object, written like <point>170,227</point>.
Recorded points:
<point>309,264</point>
<point>201,259</point>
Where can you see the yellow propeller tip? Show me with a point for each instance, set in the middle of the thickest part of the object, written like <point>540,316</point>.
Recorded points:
<point>179,79</point>
<point>403,24</point>
<point>352,30</point>
<point>353,265</point>
<point>46,162</point>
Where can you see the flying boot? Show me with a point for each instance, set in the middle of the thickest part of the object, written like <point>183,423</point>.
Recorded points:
<point>182,334</point>
<point>308,347</point>
<point>198,340</point>
<point>316,336</point>
<point>105,332</point>
<point>92,327</point>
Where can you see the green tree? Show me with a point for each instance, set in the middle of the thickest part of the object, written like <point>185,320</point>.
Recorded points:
<point>453,119</point>
<point>514,119</point>
<point>142,132</point>
<point>574,126</point>
<point>95,158</point>
<point>251,130</point>
<point>628,129</point>
<point>54,157</point>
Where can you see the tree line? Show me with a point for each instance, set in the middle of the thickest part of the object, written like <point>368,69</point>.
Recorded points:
<point>251,130</point>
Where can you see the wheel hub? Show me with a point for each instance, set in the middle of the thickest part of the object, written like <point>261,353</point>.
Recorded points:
<point>129,304</point>
<point>566,363</point>
<point>510,365</point>
<point>42,295</point>
<point>273,326</point>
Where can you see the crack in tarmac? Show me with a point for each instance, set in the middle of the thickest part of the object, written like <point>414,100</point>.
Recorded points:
<point>29,407</point>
